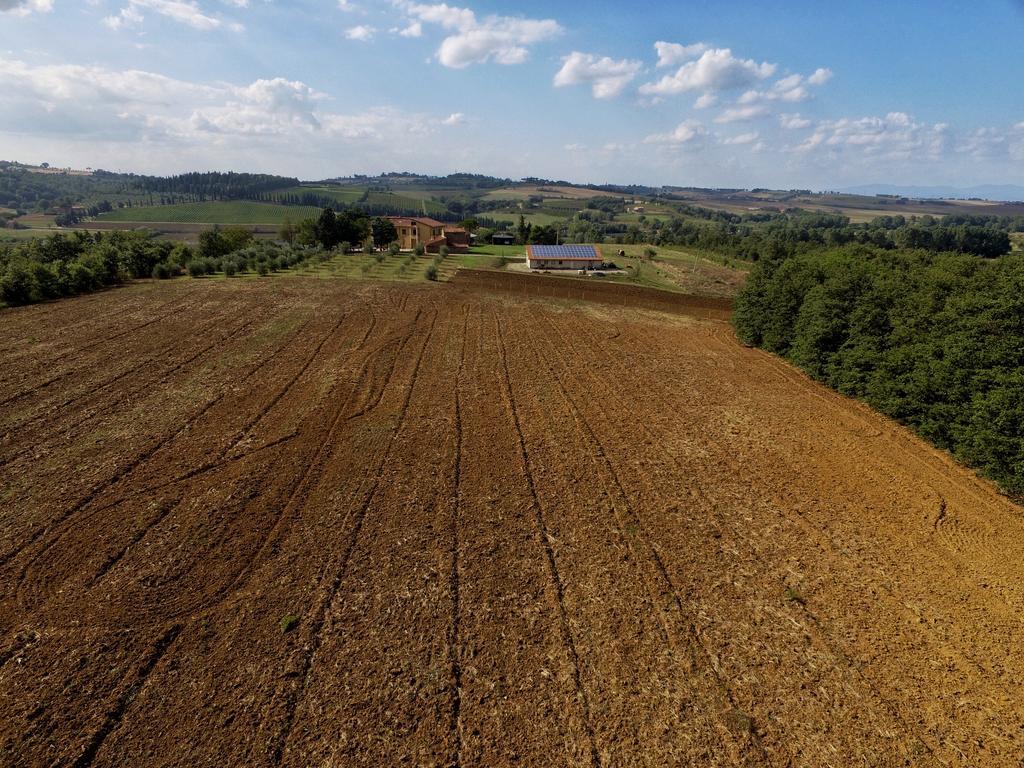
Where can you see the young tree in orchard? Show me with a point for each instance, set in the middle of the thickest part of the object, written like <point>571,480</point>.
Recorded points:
<point>383,232</point>
<point>288,230</point>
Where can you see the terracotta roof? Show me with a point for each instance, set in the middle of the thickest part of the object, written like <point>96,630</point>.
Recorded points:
<point>407,221</point>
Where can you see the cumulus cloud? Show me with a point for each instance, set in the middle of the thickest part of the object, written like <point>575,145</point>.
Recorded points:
<point>794,122</point>
<point>362,32</point>
<point>716,70</point>
<point>671,54</point>
<point>743,138</point>
<point>186,12</point>
<point>25,7</point>
<point>994,143</point>
<point>606,76</point>
<point>897,136</point>
<point>455,118</point>
<point>135,106</point>
<point>743,114</point>
<point>502,39</point>
<point>705,101</point>
<point>790,89</point>
<point>820,76</point>
<point>688,132</point>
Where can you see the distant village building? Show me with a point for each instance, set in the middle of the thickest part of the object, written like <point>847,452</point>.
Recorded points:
<point>503,238</point>
<point>564,257</point>
<point>430,233</point>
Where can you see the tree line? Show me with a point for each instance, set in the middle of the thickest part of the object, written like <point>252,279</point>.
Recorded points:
<point>934,340</point>
<point>61,266</point>
<point>215,185</point>
<point>776,234</point>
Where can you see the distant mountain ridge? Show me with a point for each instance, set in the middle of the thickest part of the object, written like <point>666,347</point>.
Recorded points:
<point>1001,192</point>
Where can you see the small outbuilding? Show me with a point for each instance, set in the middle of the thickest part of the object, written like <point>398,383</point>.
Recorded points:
<point>503,238</point>
<point>564,257</point>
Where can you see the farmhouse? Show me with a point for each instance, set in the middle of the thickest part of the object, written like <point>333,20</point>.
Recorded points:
<point>564,257</point>
<point>429,233</point>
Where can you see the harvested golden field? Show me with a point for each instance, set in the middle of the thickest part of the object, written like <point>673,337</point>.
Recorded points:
<point>303,522</point>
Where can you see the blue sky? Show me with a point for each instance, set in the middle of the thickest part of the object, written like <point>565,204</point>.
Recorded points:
<point>728,93</point>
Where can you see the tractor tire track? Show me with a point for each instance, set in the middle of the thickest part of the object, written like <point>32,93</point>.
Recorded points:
<point>125,472</point>
<point>279,745</point>
<point>543,536</point>
<point>698,655</point>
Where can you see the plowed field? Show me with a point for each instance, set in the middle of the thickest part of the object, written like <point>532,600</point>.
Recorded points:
<point>313,523</point>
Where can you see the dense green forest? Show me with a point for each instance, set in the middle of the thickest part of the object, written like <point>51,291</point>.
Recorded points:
<point>934,340</point>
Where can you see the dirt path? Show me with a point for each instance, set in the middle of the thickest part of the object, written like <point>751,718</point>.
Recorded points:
<point>292,523</point>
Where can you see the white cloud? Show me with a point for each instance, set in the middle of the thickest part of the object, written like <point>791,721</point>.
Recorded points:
<point>138,108</point>
<point>820,76</point>
<point>705,101</point>
<point>688,132</point>
<point>25,7</point>
<point>995,143</point>
<point>502,39</point>
<point>716,70</point>
<point>671,54</point>
<point>362,32</point>
<point>791,89</point>
<point>415,29</point>
<point>455,118</point>
<point>743,138</point>
<point>897,136</point>
<point>742,114</point>
<point>347,5</point>
<point>606,76</point>
<point>127,17</point>
<point>794,122</point>
<point>186,12</point>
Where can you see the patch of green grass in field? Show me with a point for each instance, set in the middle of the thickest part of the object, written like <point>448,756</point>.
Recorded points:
<point>405,267</point>
<point>37,221</point>
<point>532,217</point>
<point>228,212</point>
<point>504,251</point>
<point>19,235</point>
<point>339,194</point>
<point>634,218</point>
<point>422,206</point>
<point>418,201</point>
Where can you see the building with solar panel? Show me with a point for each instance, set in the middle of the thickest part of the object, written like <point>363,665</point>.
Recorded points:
<point>564,257</point>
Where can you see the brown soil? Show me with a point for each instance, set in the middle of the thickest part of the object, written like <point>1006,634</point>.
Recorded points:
<point>593,290</point>
<point>317,523</point>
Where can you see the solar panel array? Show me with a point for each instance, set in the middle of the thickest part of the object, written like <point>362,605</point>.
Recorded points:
<point>564,252</point>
